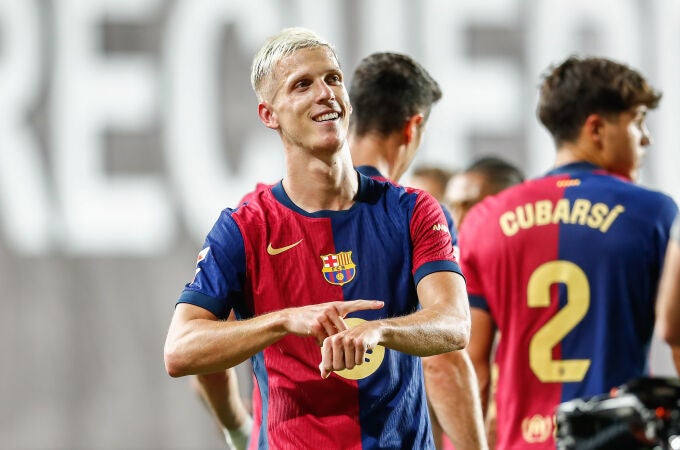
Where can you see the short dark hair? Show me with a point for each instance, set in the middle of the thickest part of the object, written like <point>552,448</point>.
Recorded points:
<point>388,88</point>
<point>498,172</point>
<point>578,87</point>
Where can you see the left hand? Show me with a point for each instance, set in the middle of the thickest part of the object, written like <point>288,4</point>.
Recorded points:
<point>346,349</point>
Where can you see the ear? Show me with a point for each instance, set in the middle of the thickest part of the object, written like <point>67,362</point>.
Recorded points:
<point>411,127</point>
<point>267,116</point>
<point>593,129</point>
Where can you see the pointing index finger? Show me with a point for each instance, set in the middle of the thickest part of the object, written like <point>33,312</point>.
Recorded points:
<point>358,305</point>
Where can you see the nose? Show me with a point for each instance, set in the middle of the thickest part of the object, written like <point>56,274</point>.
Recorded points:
<point>646,138</point>
<point>325,92</point>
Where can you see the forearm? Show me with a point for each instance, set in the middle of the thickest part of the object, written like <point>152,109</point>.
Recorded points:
<point>441,326</point>
<point>454,398</point>
<point>221,394</point>
<point>479,351</point>
<point>676,357</point>
<point>207,346</point>
<point>668,301</point>
<point>426,332</point>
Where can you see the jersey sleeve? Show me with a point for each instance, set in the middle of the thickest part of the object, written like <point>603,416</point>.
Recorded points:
<point>431,237</point>
<point>466,238</point>
<point>453,231</point>
<point>220,269</point>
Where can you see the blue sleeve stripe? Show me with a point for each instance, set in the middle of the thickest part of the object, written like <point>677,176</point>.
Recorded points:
<point>436,266</point>
<point>212,304</point>
<point>477,301</point>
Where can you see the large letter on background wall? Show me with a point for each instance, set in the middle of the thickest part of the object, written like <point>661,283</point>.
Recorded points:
<point>92,94</point>
<point>24,195</point>
<point>199,170</point>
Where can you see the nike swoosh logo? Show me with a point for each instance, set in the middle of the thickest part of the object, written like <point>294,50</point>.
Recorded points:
<point>275,251</point>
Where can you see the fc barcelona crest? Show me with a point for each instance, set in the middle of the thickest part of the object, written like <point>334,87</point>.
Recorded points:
<point>338,268</point>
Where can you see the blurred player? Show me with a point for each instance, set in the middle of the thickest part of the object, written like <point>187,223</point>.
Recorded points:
<point>485,176</point>
<point>668,302</point>
<point>392,96</point>
<point>220,393</point>
<point>432,179</point>
<point>566,265</point>
<point>300,257</point>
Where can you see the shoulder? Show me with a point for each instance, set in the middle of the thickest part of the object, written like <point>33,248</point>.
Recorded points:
<point>254,203</point>
<point>643,199</point>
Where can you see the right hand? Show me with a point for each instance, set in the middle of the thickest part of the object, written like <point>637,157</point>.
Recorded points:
<point>324,319</point>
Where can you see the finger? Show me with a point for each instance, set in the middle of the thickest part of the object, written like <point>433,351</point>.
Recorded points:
<point>328,327</point>
<point>350,352</point>
<point>338,323</point>
<point>340,347</point>
<point>318,332</point>
<point>359,355</point>
<point>325,366</point>
<point>347,307</point>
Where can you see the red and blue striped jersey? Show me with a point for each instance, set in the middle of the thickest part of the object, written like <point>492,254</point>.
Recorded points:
<point>268,254</point>
<point>374,173</point>
<point>567,265</point>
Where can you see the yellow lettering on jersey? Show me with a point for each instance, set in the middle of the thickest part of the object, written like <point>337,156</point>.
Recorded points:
<point>598,216</point>
<point>618,209</point>
<point>579,211</point>
<point>440,227</point>
<point>525,215</point>
<point>509,223</point>
<point>543,210</point>
<point>561,212</point>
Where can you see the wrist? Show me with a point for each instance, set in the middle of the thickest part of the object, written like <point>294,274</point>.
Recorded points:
<point>238,438</point>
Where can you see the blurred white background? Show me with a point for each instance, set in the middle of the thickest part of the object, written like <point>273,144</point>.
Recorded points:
<point>127,125</point>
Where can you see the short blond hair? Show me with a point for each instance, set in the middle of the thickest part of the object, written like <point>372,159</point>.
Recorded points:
<point>275,48</point>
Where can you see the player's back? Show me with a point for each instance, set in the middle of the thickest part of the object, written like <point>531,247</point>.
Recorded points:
<point>567,265</point>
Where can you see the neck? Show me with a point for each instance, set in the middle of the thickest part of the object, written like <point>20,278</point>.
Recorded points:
<point>316,184</point>
<point>570,152</point>
<point>377,151</point>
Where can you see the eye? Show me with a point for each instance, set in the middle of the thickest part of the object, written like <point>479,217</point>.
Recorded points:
<point>334,79</point>
<point>301,84</point>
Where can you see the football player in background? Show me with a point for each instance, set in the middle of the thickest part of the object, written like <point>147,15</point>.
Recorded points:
<point>566,265</point>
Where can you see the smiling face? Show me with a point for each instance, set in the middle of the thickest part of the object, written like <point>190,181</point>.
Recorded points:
<point>624,140</point>
<point>306,101</point>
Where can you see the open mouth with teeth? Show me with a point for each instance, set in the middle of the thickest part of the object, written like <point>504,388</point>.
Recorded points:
<point>326,117</point>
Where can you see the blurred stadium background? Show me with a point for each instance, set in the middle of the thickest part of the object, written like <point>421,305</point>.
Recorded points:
<point>127,125</point>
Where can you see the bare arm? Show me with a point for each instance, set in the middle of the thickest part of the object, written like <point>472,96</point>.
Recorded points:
<point>199,343</point>
<point>668,301</point>
<point>481,343</point>
<point>480,348</point>
<point>221,394</point>
<point>454,397</point>
<point>442,325</point>
<point>676,357</point>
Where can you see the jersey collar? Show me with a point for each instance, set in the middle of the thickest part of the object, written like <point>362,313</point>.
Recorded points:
<point>368,192</point>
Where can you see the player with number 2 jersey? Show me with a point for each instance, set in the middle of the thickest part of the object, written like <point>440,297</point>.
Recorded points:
<point>566,266</point>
